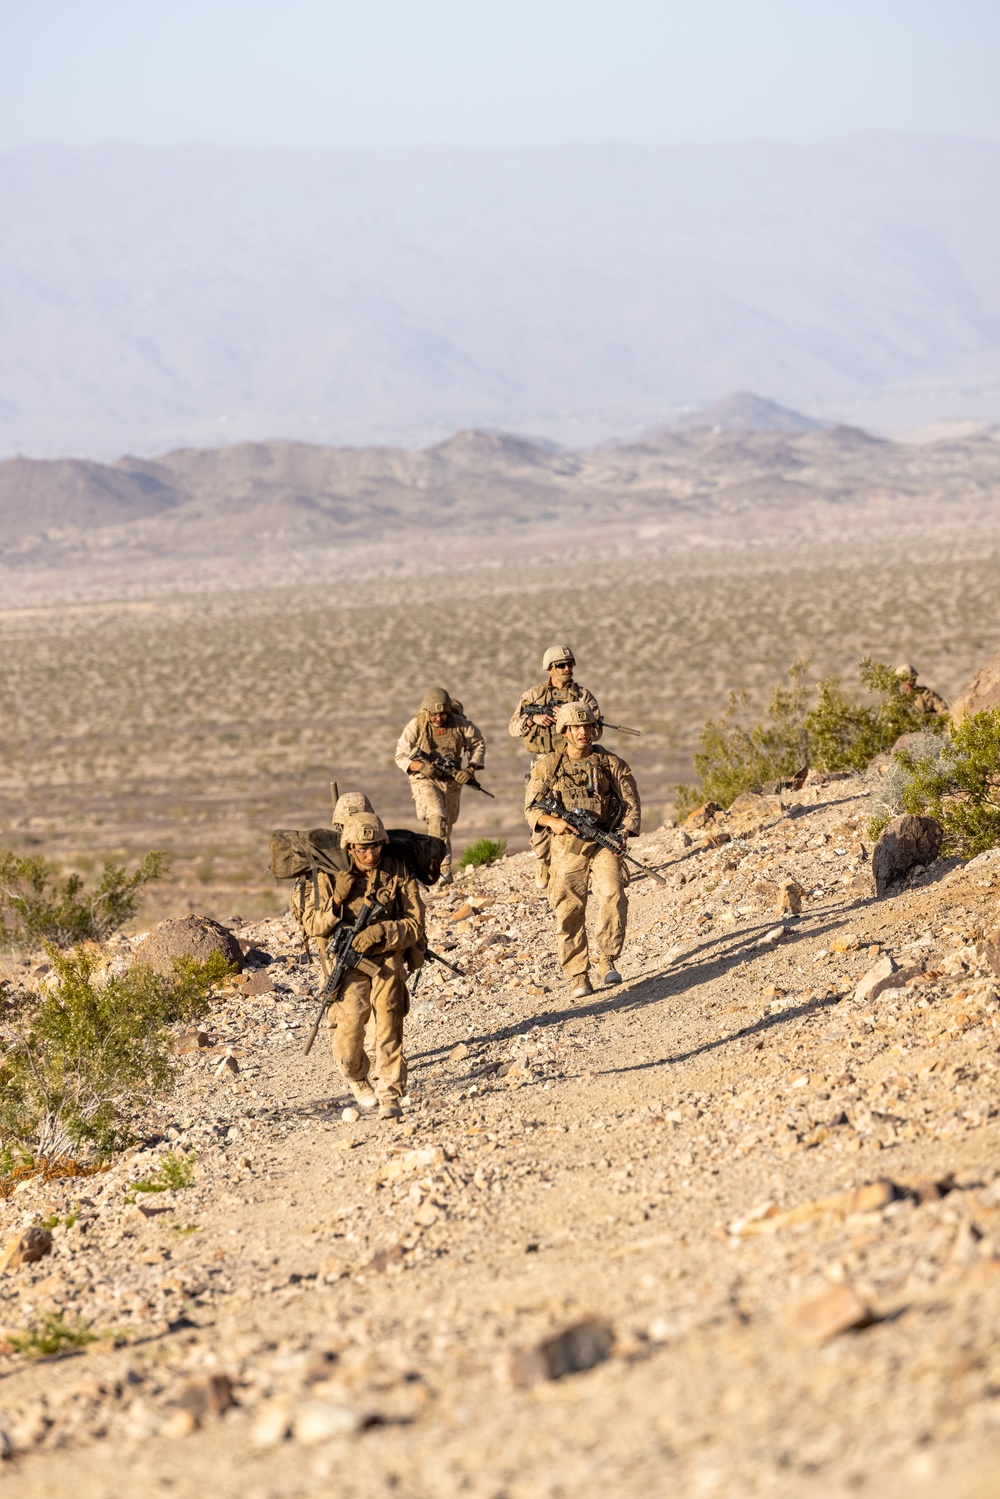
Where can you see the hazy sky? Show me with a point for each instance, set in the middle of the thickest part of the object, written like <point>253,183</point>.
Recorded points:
<point>375,74</point>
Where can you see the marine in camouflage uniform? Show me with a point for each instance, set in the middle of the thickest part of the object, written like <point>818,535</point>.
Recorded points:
<point>379,988</point>
<point>440,728</point>
<point>533,722</point>
<point>925,699</point>
<point>583,774</point>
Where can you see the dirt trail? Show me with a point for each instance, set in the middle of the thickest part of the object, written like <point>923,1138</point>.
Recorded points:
<point>678,1159</point>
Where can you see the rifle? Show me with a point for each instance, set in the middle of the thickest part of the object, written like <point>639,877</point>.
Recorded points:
<point>583,824</point>
<point>449,767</point>
<point>549,710</point>
<point>341,951</point>
<point>437,958</point>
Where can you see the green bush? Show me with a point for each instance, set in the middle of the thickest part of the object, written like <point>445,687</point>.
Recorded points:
<point>50,1338</point>
<point>819,726</point>
<point>172,1174</point>
<point>36,906</point>
<point>82,1058</point>
<point>483,851</point>
<point>958,783</point>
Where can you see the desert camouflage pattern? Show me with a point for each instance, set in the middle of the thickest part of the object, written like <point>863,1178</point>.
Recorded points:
<point>544,698</point>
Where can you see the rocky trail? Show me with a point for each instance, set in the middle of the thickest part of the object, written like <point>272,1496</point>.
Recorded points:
<point>730,1228</point>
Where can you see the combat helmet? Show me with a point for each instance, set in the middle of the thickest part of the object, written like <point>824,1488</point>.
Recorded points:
<point>906,672</point>
<point>363,827</point>
<point>348,804</point>
<point>571,714</point>
<point>435,700</point>
<point>557,655</point>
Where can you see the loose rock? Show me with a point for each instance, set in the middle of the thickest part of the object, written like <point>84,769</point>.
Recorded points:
<point>196,937</point>
<point>25,1248</point>
<point>816,1319</point>
<point>576,1349</point>
<point>906,842</point>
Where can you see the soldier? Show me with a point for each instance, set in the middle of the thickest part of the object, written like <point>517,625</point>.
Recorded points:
<point>373,871</point>
<point>925,699</point>
<point>312,896</point>
<point>439,729</point>
<point>581,773</point>
<point>533,722</point>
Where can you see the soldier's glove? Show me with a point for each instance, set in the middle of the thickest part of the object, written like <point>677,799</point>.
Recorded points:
<point>342,883</point>
<point>463,777</point>
<point>424,768</point>
<point>369,938</point>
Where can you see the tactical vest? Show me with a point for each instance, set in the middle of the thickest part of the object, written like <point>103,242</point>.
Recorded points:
<point>542,741</point>
<point>448,740</point>
<point>587,784</point>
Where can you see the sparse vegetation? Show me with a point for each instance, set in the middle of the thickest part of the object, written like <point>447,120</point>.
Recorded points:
<point>819,726</point>
<point>172,1174</point>
<point>483,851</point>
<point>956,780</point>
<point>51,1337</point>
<point>82,1058</point>
<point>36,906</point>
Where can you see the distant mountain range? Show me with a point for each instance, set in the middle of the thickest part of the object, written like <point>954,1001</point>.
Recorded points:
<point>262,511</point>
<point>151,299</point>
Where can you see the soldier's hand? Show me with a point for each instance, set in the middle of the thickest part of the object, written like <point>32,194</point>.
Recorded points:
<point>421,768</point>
<point>369,938</point>
<point>556,824</point>
<point>463,777</point>
<point>543,720</point>
<point>342,883</point>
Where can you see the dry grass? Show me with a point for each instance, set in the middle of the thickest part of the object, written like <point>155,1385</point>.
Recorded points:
<point>197,724</point>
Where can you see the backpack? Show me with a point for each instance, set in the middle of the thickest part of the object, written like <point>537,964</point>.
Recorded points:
<point>296,855</point>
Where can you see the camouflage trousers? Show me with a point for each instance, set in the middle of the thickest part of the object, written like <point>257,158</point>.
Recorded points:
<point>576,869</point>
<point>437,806</point>
<point>361,996</point>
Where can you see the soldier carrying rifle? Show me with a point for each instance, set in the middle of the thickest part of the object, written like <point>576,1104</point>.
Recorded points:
<point>440,751</point>
<point>583,777</point>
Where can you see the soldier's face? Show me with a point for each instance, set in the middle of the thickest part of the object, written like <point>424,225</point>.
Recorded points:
<point>366,855</point>
<point>561,675</point>
<point>581,735</point>
<point>437,719</point>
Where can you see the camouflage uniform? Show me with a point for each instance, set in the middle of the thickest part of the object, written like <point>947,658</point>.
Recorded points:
<point>604,785</point>
<point>437,801</point>
<point>925,699</point>
<point>379,987</point>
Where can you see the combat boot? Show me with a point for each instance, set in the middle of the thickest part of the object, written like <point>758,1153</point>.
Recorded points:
<point>582,986</point>
<point>390,1109</point>
<point>611,974</point>
<point>364,1093</point>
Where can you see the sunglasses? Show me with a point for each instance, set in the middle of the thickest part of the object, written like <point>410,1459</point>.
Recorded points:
<point>563,665</point>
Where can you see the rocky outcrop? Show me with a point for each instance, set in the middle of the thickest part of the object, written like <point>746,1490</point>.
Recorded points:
<point>982,693</point>
<point>906,842</point>
<point>195,937</point>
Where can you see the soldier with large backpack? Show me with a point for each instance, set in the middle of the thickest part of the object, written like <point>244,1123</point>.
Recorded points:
<point>385,947</point>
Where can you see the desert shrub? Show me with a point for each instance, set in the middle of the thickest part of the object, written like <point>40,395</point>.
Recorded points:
<point>172,1174</point>
<point>889,785</point>
<point>483,851</point>
<point>959,785</point>
<point>51,1337</point>
<point>831,731</point>
<point>83,1057</point>
<point>37,906</point>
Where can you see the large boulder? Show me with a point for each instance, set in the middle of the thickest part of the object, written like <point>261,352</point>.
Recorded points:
<point>982,693</point>
<point>195,937</point>
<point>906,842</point>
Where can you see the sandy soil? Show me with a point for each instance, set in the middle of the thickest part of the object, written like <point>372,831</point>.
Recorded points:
<point>681,1160</point>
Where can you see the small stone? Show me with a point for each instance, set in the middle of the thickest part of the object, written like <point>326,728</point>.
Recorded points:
<point>875,980</point>
<point>573,1351</point>
<point>180,1424</point>
<point>209,1395</point>
<point>257,982</point>
<point>991,950</point>
<point>350,1116</point>
<point>458,1053</point>
<point>25,1248</point>
<point>427,1158</point>
<point>6,1446</point>
<point>874,1195</point>
<point>227,1067</point>
<point>316,1421</point>
<point>770,938</point>
<point>193,1040</point>
<point>849,942</point>
<point>701,817</point>
<point>463,913</point>
<point>271,1426</point>
<point>836,1309</point>
<point>333,1269</point>
<point>790,898</point>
